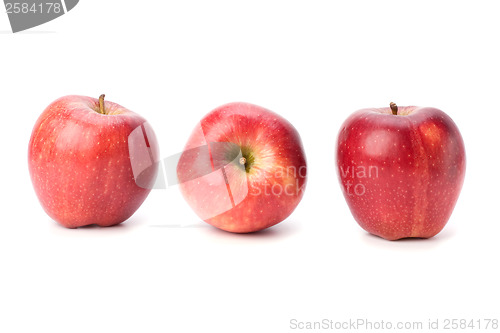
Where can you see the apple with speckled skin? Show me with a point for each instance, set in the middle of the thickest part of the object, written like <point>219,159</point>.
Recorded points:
<point>87,158</point>
<point>243,168</point>
<point>401,169</point>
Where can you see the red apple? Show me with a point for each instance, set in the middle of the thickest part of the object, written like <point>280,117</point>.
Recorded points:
<point>87,159</point>
<point>401,170</point>
<point>243,168</point>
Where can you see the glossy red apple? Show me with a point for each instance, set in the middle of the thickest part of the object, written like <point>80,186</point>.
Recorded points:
<point>87,158</point>
<point>243,168</point>
<point>401,170</point>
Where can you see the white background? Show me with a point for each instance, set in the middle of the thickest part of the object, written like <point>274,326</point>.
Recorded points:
<point>313,62</point>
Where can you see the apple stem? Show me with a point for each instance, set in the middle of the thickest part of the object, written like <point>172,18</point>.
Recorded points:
<point>394,108</point>
<point>101,104</point>
<point>243,161</point>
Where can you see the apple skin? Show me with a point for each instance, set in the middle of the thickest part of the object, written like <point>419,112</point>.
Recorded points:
<point>250,197</point>
<point>408,170</point>
<point>80,162</point>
